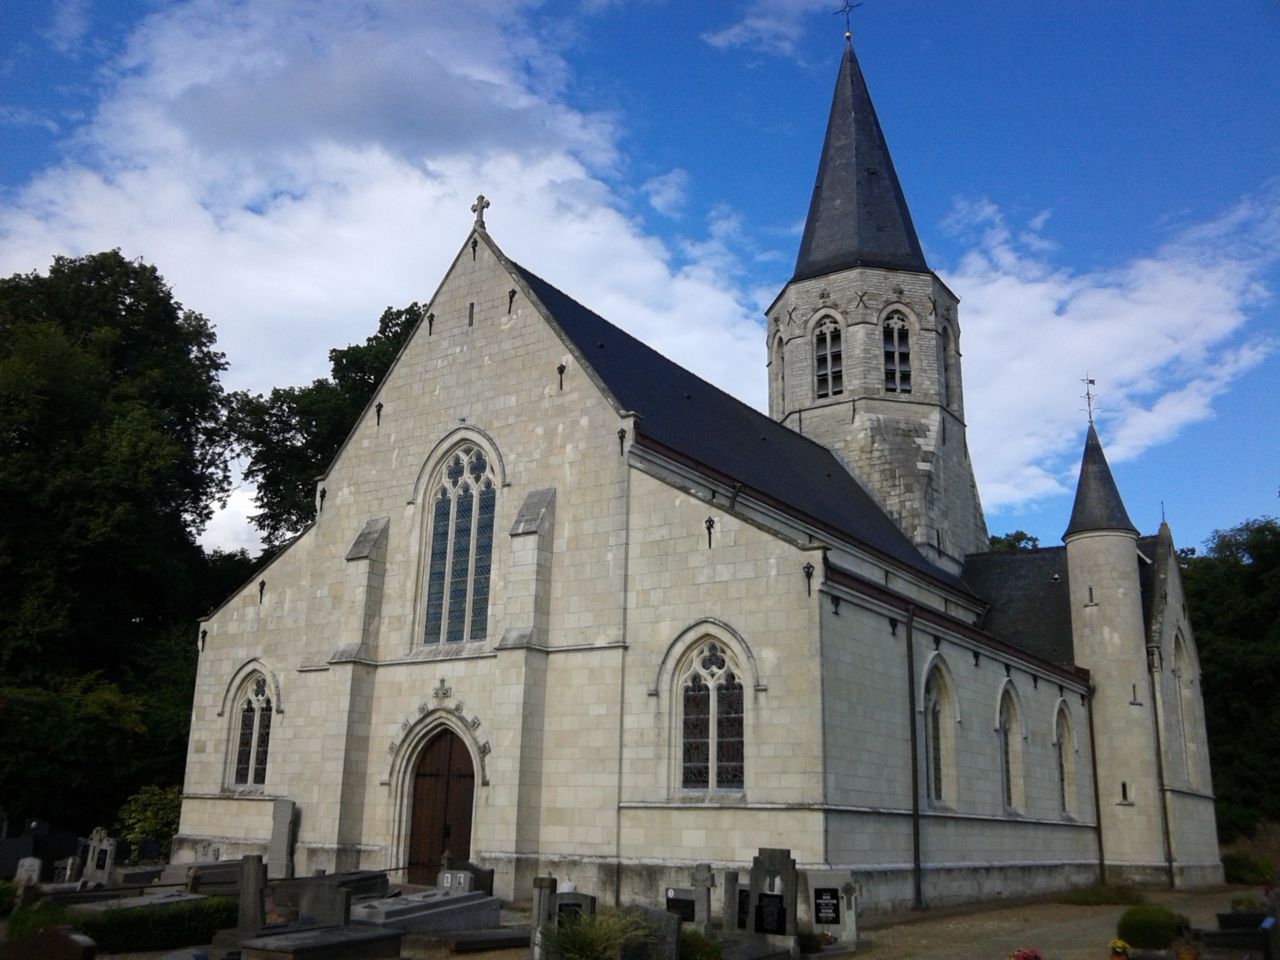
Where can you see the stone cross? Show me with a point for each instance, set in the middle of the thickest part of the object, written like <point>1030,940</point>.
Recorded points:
<point>703,880</point>
<point>478,208</point>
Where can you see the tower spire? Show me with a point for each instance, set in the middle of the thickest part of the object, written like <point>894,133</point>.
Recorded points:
<point>858,216</point>
<point>1098,505</point>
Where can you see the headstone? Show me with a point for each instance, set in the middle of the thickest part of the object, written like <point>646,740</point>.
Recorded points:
<point>772,905</point>
<point>729,909</point>
<point>453,882</point>
<point>280,853</point>
<point>51,943</point>
<point>101,859</point>
<point>252,907</point>
<point>28,874</point>
<point>324,904</point>
<point>544,899</point>
<point>663,942</point>
<point>703,880</point>
<point>481,877</point>
<point>573,906</point>
<point>66,871</point>
<point>679,901</point>
<point>835,905</point>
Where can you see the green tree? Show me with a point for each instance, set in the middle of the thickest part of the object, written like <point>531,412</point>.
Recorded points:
<point>1233,596</point>
<point>113,450</point>
<point>291,435</point>
<point>1018,541</point>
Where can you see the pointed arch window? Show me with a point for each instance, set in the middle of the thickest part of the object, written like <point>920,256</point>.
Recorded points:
<point>712,723</point>
<point>897,353</point>
<point>461,544</point>
<point>1009,743</point>
<point>828,362</point>
<point>253,740</point>
<point>780,371</point>
<point>939,740</point>
<point>1064,754</point>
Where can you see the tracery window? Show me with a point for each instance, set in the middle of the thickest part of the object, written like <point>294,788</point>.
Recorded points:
<point>939,742</point>
<point>461,543</point>
<point>897,354</point>
<point>254,740</point>
<point>828,363</point>
<point>712,723</point>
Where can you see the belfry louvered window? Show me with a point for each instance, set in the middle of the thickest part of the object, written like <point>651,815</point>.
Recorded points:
<point>828,363</point>
<point>897,354</point>
<point>711,724</point>
<point>254,736</point>
<point>461,544</point>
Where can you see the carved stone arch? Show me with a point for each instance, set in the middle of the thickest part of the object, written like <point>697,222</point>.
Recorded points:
<point>687,639</point>
<point>241,675</point>
<point>898,306</point>
<point>824,313</point>
<point>402,762</point>
<point>936,661</point>
<point>445,445</point>
<point>1061,708</point>
<point>1007,686</point>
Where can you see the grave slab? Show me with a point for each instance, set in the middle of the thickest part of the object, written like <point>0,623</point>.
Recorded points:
<point>429,912</point>
<point>325,943</point>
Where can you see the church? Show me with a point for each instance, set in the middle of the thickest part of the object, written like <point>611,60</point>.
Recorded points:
<point>565,606</point>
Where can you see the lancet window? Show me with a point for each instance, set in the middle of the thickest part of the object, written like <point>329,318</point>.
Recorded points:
<point>712,723</point>
<point>461,548</point>
<point>828,362</point>
<point>897,353</point>
<point>1009,742</point>
<point>253,741</point>
<point>1065,756</point>
<point>939,739</point>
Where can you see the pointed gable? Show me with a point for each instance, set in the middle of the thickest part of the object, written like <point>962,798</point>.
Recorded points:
<point>1098,505</point>
<point>858,215</point>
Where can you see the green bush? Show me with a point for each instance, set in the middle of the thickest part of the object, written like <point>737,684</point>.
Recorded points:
<point>145,928</point>
<point>1103,895</point>
<point>694,946</point>
<point>596,936</point>
<point>150,814</point>
<point>1247,869</point>
<point>1150,927</point>
<point>8,893</point>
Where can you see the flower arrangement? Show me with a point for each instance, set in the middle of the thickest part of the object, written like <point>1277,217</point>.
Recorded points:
<point>1119,948</point>
<point>1025,953</point>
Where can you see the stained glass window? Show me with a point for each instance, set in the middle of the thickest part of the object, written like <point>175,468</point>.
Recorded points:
<point>461,550</point>
<point>933,736</point>
<point>712,724</point>
<point>897,354</point>
<point>253,744</point>
<point>828,364</point>
<point>1007,758</point>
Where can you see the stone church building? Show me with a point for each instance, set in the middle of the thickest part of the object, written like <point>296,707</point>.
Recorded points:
<point>565,606</point>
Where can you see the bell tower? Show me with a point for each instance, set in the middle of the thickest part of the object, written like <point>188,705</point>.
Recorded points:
<point>864,340</point>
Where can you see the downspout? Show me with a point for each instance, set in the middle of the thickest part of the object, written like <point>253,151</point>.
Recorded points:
<point>622,676</point>
<point>1153,662</point>
<point>1097,796</point>
<point>917,879</point>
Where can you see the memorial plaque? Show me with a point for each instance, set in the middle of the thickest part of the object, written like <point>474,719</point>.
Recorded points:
<point>826,905</point>
<point>682,907</point>
<point>568,912</point>
<point>771,914</point>
<point>744,907</point>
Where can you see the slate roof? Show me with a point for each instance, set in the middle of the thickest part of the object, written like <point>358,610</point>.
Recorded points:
<point>858,215</point>
<point>681,412</point>
<point>1028,607</point>
<point>1098,505</point>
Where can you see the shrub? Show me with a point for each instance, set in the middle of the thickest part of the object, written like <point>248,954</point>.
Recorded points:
<point>8,893</point>
<point>596,936</point>
<point>694,946</point>
<point>1247,869</point>
<point>809,942</point>
<point>1149,926</point>
<point>145,928</point>
<point>1103,895</point>
<point>1247,904</point>
<point>151,814</point>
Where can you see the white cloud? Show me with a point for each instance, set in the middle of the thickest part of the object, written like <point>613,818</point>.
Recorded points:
<point>1163,335</point>
<point>768,26</point>
<point>68,24</point>
<point>668,192</point>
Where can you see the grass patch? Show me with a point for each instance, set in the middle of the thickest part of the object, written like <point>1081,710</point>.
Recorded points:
<point>694,946</point>
<point>125,931</point>
<point>8,893</point>
<point>1103,895</point>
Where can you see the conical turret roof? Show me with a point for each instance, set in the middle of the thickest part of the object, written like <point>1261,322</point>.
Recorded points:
<point>858,215</point>
<point>1098,505</point>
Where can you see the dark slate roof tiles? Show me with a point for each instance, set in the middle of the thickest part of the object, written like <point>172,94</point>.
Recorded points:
<point>1098,505</point>
<point>1029,599</point>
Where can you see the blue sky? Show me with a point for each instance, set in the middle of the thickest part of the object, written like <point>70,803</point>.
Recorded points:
<point>1100,184</point>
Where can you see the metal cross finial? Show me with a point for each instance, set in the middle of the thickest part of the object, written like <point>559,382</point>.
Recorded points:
<point>1089,384</point>
<point>847,9</point>
<point>478,208</point>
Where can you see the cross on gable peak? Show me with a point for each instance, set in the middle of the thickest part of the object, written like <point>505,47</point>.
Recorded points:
<point>478,208</point>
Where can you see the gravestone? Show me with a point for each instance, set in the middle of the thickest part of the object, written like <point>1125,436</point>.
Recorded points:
<point>703,880</point>
<point>66,871</point>
<point>51,943</point>
<point>453,882</point>
<point>771,910</point>
<point>734,909</point>
<point>679,902</point>
<point>101,859</point>
<point>253,881</point>
<point>572,906</point>
<point>663,942</point>
<point>544,900</point>
<point>481,877</point>
<point>324,904</point>
<point>280,853</point>
<point>835,905</point>
<point>28,873</point>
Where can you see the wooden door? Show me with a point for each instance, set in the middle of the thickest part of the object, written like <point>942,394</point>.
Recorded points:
<point>443,788</point>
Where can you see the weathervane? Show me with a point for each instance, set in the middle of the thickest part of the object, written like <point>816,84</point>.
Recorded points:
<point>1089,384</point>
<point>847,9</point>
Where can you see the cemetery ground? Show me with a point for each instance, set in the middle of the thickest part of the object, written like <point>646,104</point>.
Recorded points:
<point>975,932</point>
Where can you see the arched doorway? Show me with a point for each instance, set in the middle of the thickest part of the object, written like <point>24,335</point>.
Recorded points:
<point>443,788</point>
